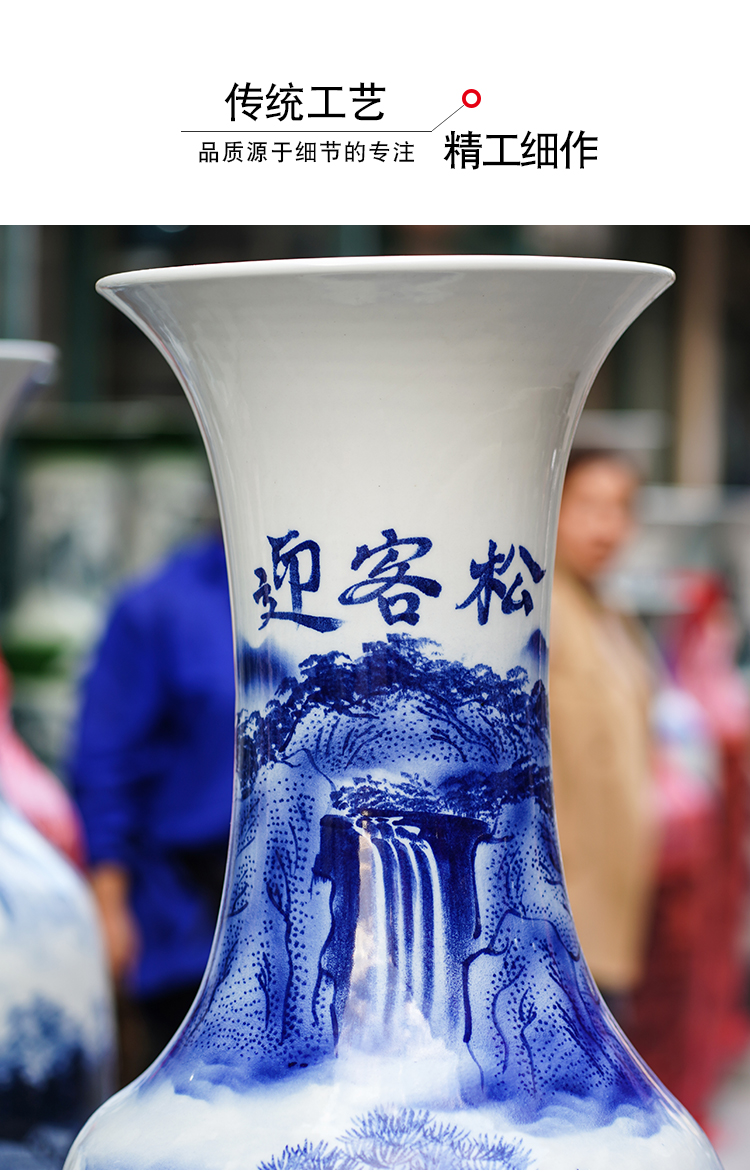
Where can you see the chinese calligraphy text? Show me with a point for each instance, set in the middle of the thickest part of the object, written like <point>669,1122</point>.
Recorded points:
<point>390,572</point>
<point>488,578</point>
<point>286,565</point>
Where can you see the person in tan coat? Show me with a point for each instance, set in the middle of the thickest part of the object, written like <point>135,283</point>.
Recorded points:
<point>600,693</point>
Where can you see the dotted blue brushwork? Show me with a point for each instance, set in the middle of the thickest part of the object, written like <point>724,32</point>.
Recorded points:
<point>409,796</point>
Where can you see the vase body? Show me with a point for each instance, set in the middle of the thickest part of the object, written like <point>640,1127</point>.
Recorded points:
<point>395,979</point>
<point>56,1020</point>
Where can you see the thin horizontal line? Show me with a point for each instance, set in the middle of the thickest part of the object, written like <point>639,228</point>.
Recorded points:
<point>342,130</point>
<point>300,130</point>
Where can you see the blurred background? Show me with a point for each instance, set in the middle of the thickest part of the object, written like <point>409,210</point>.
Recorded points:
<point>104,474</point>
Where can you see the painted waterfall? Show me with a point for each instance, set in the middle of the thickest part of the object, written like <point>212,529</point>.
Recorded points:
<point>397,981</point>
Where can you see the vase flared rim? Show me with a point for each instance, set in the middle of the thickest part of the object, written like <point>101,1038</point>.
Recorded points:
<point>363,265</point>
<point>13,350</point>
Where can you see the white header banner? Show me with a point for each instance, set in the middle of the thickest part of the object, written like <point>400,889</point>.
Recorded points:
<point>355,113</point>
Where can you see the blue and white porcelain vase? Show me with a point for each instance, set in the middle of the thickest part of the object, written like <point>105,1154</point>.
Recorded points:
<point>24,366</point>
<point>56,1021</point>
<point>395,980</point>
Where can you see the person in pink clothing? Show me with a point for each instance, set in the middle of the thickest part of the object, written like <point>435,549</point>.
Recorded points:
<point>692,1021</point>
<point>33,789</point>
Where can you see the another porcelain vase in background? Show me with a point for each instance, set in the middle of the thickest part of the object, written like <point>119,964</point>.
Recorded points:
<point>24,366</point>
<point>395,979</point>
<point>56,1023</point>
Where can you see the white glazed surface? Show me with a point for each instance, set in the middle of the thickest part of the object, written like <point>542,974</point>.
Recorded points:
<point>49,938</point>
<point>423,407</point>
<point>431,394</point>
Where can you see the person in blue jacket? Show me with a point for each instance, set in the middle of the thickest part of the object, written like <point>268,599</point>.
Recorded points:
<point>152,771</point>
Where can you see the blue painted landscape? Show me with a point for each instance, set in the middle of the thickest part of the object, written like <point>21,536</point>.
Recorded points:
<point>397,876</point>
<point>46,1080</point>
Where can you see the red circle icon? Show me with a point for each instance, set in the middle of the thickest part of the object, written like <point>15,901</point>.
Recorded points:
<point>466,97</point>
